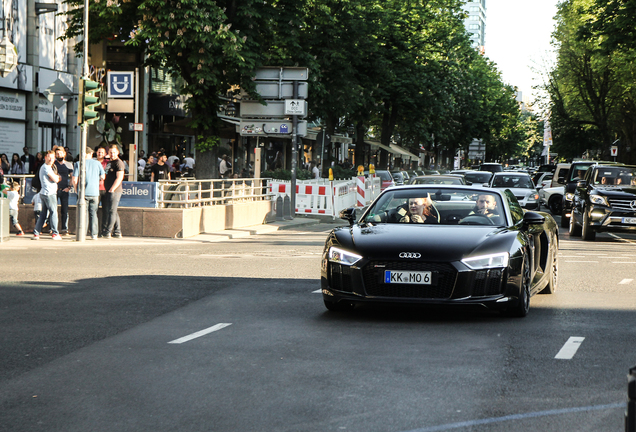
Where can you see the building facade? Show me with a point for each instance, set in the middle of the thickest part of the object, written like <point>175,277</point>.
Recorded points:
<point>476,23</point>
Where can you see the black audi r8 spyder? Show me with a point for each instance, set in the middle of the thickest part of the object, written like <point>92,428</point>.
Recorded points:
<point>463,245</point>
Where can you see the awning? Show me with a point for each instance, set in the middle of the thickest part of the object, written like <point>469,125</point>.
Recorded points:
<point>404,152</point>
<point>400,152</point>
<point>375,145</point>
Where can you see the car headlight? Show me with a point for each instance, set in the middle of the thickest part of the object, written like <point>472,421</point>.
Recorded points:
<point>487,261</point>
<point>599,199</point>
<point>341,256</point>
<point>533,197</point>
<point>569,196</point>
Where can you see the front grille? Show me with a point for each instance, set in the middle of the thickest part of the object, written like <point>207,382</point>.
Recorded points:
<point>621,204</point>
<point>340,277</point>
<point>444,276</point>
<point>520,198</point>
<point>487,283</point>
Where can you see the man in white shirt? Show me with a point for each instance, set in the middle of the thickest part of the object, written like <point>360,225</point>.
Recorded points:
<point>49,180</point>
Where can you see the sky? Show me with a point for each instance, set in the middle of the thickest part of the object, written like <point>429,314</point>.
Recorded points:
<point>518,37</point>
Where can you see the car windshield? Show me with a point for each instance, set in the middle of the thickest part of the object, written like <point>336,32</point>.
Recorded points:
<point>511,181</point>
<point>578,171</point>
<point>478,177</point>
<point>436,206</point>
<point>614,176</point>
<point>436,180</point>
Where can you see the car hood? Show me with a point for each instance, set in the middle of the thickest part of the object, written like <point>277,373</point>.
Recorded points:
<point>519,191</point>
<point>625,192</point>
<point>435,243</point>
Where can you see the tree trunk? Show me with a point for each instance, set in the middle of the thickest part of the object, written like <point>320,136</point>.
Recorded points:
<point>360,145</point>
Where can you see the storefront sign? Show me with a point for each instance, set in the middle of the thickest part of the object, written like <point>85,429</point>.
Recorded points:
<point>12,105</point>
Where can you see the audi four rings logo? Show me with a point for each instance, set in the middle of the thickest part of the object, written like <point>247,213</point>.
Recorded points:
<point>410,255</point>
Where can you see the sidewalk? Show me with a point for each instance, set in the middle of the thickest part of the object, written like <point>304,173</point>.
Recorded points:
<point>25,241</point>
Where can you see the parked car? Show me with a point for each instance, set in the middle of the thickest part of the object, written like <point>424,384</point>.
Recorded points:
<point>456,257</point>
<point>576,173</point>
<point>520,185</point>
<point>552,198</point>
<point>492,167</point>
<point>605,200</point>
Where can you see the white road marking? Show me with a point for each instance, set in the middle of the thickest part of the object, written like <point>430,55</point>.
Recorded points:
<point>581,261</point>
<point>200,333</point>
<point>625,281</point>
<point>569,349</point>
<point>320,291</point>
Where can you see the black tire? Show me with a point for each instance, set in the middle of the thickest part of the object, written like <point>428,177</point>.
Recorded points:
<point>554,275</point>
<point>565,221</point>
<point>522,307</point>
<point>341,306</point>
<point>574,229</point>
<point>556,204</point>
<point>587,232</point>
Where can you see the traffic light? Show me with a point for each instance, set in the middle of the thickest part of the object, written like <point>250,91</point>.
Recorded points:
<point>87,101</point>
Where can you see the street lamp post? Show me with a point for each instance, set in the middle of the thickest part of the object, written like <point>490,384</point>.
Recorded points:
<point>8,54</point>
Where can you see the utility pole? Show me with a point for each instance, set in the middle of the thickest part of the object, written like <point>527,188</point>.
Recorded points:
<point>294,161</point>
<point>81,189</point>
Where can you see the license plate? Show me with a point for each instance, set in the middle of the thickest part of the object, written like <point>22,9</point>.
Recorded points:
<point>408,277</point>
<point>629,220</point>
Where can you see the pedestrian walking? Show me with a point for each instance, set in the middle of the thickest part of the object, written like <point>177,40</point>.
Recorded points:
<point>48,194</point>
<point>28,160</point>
<point>160,170</point>
<point>94,173</point>
<point>114,190</point>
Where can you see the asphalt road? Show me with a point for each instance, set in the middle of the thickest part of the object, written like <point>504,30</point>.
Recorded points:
<point>107,336</point>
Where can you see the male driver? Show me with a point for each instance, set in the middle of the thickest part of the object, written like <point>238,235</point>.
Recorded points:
<point>160,170</point>
<point>48,196</point>
<point>94,173</point>
<point>486,205</point>
<point>112,184</point>
<point>64,169</point>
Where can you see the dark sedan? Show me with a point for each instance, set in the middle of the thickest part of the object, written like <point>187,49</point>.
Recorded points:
<point>441,245</point>
<point>605,200</point>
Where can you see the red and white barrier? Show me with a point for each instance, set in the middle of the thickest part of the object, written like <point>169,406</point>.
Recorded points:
<point>360,192</point>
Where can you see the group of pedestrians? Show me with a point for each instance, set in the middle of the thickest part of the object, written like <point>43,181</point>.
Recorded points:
<point>105,185</point>
<point>158,166</point>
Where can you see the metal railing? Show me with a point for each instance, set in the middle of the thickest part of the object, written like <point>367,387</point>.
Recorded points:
<point>186,193</point>
<point>21,178</point>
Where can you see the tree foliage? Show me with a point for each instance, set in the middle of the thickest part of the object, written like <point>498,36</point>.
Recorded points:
<point>401,71</point>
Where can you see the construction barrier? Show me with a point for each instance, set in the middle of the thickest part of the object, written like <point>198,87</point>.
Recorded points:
<point>360,191</point>
<point>323,197</point>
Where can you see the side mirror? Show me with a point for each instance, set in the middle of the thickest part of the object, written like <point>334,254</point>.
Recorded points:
<point>581,184</point>
<point>561,181</point>
<point>486,185</point>
<point>348,214</point>
<point>532,218</point>
<point>469,183</point>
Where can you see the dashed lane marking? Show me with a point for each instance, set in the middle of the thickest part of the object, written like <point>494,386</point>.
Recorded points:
<point>200,333</point>
<point>625,281</point>
<point>570,348</point>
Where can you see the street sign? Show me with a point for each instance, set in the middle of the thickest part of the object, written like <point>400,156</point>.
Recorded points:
<point>271,109</point>
<point>282,74</point>
<point>270,127</point>
<point>614,150</point>
<point>285,90</point>
<point>295,107</point>
<point>120,85</point>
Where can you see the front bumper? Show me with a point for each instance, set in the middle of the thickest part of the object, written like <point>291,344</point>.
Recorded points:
<point>453,284</point>
<point>607,219</point>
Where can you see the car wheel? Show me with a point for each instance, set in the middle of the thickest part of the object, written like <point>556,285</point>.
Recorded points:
<point>565,221</point>
<point>556,204</point>
<point>575,230</point>
<point>341,306</point>
<point>521,308</point>
<point>554,274</point>
<point>588,232</point>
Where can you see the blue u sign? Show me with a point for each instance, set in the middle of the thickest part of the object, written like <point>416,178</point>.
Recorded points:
<point>120,85</point>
